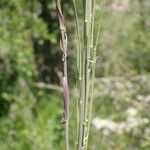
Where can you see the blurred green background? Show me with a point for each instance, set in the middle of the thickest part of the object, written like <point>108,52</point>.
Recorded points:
<point>31,103</point>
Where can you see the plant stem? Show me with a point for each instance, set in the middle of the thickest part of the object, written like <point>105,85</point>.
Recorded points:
<point>81,103</point>
<point>63,46</point>
<point>88,15</point>
<point>86,69</point>
<point>93,63</point>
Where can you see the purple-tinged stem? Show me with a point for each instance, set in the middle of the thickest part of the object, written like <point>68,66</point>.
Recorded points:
<point>63,46</point>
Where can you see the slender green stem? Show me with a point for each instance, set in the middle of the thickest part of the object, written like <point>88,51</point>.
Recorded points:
<point>88,16</point>
<point>93,66</point>
<point>81,115</point>
<point>80,57</point>
<point>86,59</point>
<point>79,60</point>
<point>92,70</point>
<point>100,23</point>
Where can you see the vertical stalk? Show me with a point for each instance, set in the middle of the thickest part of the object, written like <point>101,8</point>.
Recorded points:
<point>63,46</point>
<point>79,62</point>
<point>82,90</point>
<point>85,75</point>
<point>93,63</point>
<point>88,16</point>
<point>86,81</point>
<point>86,71</point>
<point>81,102</point>
<point>82,86</point>
<point>89,105</point>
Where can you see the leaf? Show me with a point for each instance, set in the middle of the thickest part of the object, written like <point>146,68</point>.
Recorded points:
<point>60,15</point>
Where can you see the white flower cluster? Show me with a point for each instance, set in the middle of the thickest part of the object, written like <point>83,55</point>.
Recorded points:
<point>109,126</point>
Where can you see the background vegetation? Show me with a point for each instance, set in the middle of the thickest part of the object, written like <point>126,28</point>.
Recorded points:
<point>31,112</point>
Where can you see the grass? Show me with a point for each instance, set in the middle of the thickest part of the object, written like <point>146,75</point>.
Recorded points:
<point>86,60</point>
<point>32,117</point>
<point>64,48</point>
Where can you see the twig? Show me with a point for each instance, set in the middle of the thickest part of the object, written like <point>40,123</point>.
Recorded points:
<point>43,85</point>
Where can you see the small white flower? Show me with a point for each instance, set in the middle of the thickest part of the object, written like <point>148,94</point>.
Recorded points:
<point>131,112</point>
